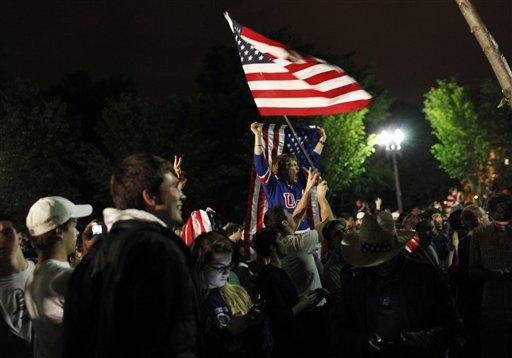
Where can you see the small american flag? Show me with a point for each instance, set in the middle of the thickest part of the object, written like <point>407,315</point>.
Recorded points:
<point>197,224</point>
<point>278,139</point>
<point>284,82</point>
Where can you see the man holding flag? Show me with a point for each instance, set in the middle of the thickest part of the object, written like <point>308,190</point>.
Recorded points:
<point>284,82</point>
<point>282,182</point>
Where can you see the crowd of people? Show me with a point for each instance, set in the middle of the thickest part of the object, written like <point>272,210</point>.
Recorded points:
<point>427,283</point>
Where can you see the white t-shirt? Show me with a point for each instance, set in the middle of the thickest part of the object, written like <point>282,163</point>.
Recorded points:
<point>299,262</point>
<point>44,295</point>
<point>12,303</point>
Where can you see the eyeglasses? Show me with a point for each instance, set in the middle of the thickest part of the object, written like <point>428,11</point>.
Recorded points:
<point>221,269</point>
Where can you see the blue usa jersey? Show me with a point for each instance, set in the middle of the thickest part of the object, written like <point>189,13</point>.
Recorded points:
<point>279,193</point>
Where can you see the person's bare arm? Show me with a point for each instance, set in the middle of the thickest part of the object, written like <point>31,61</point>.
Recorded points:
<point>325,209</point>
<point>321,142</point>
<point>326,214</point>
<point>302,206</point>
<point>258,138</point>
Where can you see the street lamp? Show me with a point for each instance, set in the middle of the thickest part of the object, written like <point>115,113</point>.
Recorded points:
<point>391,141</point>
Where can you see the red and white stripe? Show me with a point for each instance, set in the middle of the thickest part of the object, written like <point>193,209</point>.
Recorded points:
<point>298,85</point>
<point>198,223</point>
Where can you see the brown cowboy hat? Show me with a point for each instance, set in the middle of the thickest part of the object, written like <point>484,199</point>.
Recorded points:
<point>376,242</point>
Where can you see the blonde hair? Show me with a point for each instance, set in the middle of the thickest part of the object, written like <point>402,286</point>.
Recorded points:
<point>236,298</point>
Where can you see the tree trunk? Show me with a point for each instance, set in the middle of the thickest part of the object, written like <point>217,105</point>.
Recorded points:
<point>489,46</point>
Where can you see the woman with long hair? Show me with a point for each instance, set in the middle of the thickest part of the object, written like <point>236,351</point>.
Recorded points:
<point>233,327</point>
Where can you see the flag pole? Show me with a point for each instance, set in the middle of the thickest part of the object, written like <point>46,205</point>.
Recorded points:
<point>300,144</point>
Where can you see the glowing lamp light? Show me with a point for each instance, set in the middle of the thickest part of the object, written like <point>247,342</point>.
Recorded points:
<point>391,140</point>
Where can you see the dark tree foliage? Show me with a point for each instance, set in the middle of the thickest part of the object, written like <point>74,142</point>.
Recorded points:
<point>37,151</point>
<point>66,139</point>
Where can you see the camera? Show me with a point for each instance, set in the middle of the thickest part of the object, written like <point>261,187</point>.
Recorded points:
<point>97,229</point>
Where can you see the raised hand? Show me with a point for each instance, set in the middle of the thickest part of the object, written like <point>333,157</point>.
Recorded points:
<point>180,174</point>
<point>378,203</point>
<point>323,136</point>
<point>313,177</point>
<point>89,239</point>
<point>256,128</point>
<point>322,189</point>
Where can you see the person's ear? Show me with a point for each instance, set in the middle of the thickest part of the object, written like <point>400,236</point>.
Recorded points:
<point>59,232</point>
<point>285,223</point>
<point>149,198</point>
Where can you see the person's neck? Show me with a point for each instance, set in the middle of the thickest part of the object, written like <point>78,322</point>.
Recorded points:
<point>275,260</point>
<point>162,216</point>
<point>57,253</point>
<point>15,264</point>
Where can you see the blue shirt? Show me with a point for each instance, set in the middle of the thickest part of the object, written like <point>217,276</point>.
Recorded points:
<point>278,192</point>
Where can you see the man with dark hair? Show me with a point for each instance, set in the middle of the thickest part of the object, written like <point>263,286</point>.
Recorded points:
<point>283,183</point>
<point>300,249</point>
<point>233,231</point>
<point>301,261</point>
<point>468,291</point>
<point>491,262</point>
<point>421,246</point>
<point>334,232</point>
<point>133,295</point>
<point>15,324</point>
<point>279,296</point>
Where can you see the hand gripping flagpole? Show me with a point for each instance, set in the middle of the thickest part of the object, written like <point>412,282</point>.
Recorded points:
<point>300,144</point>
<point>314,202</point>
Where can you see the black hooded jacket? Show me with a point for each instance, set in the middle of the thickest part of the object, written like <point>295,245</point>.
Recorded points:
<point>133,296</point>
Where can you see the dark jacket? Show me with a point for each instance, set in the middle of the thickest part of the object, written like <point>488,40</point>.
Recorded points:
<point>279,295</point>
<point>133,296</point>
<point>420,305</point>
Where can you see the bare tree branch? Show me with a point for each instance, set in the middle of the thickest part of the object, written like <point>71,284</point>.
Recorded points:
<point>489,46</point>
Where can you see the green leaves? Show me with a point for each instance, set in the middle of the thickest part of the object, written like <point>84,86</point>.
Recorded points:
<point>473,133</point>
<point>347,148</point>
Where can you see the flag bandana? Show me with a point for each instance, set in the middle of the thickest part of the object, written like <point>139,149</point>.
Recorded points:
<point>284,82</point>
<point>278,139</point>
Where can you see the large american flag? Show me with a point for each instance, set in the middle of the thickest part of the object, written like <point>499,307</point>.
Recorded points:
<point>284,82</point>
<point>278,139</point>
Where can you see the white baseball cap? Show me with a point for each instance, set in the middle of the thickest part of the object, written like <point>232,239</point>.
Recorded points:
<point>51,212</point>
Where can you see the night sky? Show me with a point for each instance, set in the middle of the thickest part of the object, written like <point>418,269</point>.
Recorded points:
<point>160,44</point>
